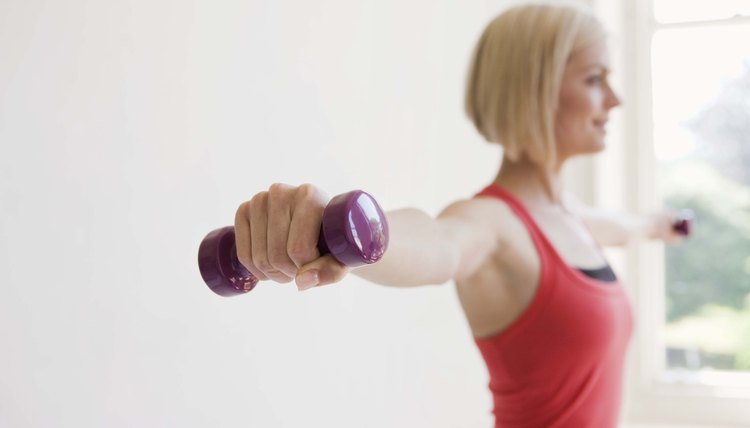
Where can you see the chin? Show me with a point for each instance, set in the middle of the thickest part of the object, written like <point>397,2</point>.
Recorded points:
<point>589,147</point>
<point>593,148</point>
<point>597,145</point>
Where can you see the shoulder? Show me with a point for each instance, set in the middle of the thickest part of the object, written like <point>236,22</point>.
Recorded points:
<point>481,211</point>
<point>478,205</point>
<point>480,228</point>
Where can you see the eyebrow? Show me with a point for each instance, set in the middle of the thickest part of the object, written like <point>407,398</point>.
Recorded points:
<point>602,67</point>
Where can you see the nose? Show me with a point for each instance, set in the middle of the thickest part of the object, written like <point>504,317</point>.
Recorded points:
<point>611,99</point>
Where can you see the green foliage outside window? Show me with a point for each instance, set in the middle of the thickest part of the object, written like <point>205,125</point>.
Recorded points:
<point>708,277</point>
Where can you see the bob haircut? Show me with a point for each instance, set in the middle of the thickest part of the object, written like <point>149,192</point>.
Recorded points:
<point>514,79</point>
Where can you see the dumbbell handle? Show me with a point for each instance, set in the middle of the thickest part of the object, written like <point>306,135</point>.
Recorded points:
<point>354,231</point>
<point>683,225</point>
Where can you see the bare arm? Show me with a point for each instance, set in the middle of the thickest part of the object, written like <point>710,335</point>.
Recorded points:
<point>425,250</point>
<point>277,231</point>
<point>613,228</point>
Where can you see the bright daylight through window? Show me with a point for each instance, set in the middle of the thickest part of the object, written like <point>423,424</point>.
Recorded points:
<point>701,111</point>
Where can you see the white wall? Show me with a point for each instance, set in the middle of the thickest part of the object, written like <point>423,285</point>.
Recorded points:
<point>129,129</point>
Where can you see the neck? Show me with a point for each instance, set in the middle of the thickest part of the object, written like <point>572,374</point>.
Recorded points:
<point>533,184</point>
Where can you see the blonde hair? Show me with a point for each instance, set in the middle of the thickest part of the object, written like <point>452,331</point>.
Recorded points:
<point>515,75</point>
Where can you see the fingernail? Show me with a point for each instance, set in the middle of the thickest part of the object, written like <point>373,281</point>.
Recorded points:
<point>307,280</point>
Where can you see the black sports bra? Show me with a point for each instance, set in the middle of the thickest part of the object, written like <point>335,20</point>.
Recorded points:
<point>605,273</point>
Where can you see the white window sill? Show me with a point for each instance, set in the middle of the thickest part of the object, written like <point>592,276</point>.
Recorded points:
<point>646,425</point>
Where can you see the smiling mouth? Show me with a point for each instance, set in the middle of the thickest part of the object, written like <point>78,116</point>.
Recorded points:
<point>601,124</point>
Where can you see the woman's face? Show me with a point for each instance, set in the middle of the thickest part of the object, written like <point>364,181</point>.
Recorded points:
<point>585,101</point>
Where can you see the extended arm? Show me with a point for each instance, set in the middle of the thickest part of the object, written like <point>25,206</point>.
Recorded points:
<point>425,250</point>
<point>277,232</point>
<point>613,228</point>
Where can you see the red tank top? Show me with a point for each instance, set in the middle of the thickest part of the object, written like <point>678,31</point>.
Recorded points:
<point>560,363</point>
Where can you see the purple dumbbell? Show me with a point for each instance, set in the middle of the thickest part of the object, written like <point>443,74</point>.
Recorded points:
<point>683,225</point>
<point>354,232</point>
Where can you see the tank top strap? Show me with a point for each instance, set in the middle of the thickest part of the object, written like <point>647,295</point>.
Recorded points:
<point>552,262</point>
<point>539,238</point>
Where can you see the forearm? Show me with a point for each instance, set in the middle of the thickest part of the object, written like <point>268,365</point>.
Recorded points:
<point>420,252</point>
<point>617,229</point>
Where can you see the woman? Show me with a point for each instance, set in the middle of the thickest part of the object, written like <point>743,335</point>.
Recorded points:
<point>548,314</point>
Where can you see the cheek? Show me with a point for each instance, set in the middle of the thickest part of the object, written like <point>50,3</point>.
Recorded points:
<point>575,111</point>
<point>574,125</point>
<point>569,121</point>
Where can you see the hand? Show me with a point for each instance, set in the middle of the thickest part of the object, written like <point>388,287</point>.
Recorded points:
<point>277,235</point>
<point>665,226</point>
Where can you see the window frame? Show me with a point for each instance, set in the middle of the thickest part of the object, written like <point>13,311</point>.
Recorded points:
<point>625,174</point>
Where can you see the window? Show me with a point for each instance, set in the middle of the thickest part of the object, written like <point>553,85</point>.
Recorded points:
<point>685,77</point>
<point>701,122</point>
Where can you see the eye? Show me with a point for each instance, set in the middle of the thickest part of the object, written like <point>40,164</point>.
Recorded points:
<point>595,79</point>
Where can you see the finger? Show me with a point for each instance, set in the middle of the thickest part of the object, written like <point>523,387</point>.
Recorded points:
<point>243,240</point>
<point>304,230</point>
<point>321,271</point>
<point>259,238</point>
<point>280,199</point>
<point>671,233</point>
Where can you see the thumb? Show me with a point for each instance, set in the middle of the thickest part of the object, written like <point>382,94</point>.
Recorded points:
<point>321,271</point>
